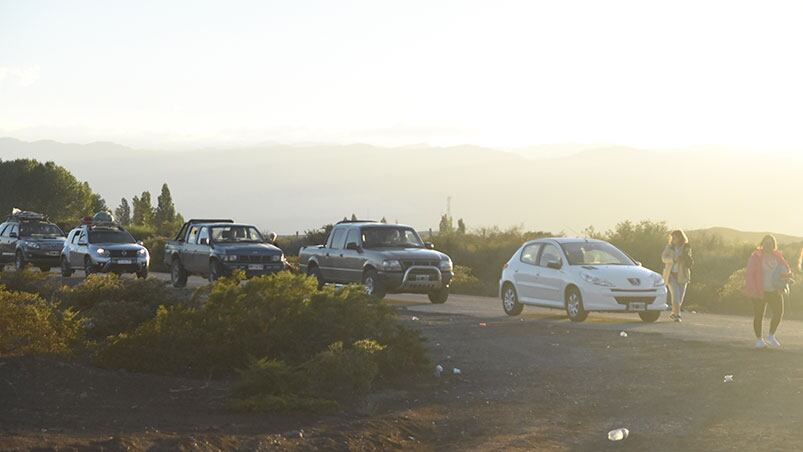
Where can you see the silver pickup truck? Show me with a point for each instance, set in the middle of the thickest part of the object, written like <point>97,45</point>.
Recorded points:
<point>385,258</point>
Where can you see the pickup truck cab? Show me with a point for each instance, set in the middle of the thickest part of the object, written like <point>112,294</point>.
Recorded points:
<point>29,238</point>
<point>215,248</point>
<point>100,245</point>
<point>384,258</point>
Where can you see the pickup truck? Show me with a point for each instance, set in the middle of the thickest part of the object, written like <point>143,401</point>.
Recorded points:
<point>384,258</point>
<point>215,248</point>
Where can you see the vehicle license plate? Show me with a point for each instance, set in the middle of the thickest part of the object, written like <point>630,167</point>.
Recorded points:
<point>255,266</point>
<point>53,253</point>
<point>124,261</point>
<point>638,306</point>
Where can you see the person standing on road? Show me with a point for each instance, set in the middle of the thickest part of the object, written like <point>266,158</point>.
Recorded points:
<point>678,261</point>
<point>766,281</point>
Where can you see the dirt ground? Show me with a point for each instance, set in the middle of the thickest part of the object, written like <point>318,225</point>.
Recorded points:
<point>528,384</point>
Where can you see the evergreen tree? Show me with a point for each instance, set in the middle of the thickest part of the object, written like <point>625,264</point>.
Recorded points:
<point>461,226</point>
<point>445,226</point>
<point>143,210</point>
<point>123,212</point>
<point>353,217</point>
<point>164,218</point>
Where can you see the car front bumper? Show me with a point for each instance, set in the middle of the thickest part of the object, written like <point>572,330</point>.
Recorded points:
<point>416,279</point>
<point>252,270</point>
<point>49,258</point>
<point>597,298</point>
<point>120,265</point>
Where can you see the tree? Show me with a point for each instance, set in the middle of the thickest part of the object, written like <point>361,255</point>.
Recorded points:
<point>445,226</point>
<point>383,220</point>
<point>123,212</point>
<point>164,218</point>
<point>353,217</point>
<point>143,210</point>
<point>47,188</point>
<point>461,226</point>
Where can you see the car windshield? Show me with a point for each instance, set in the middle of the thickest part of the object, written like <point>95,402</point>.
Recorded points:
<point>40,230</point>
<point>383,237</point>
<point>110,236</point>
<point>594,253</point>
<point>236,234</point>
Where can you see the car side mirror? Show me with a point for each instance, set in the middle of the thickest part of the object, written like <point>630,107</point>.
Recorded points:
<point>203,241</point>
<point>352,246</point>
<point>272,236</point>
<point>429,245</point>
<point>638,263</point>
<point>13,235</point>
<point>554,264</point>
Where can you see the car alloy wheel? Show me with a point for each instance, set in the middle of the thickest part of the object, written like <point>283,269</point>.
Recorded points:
<point>573,305</point>
<point>369,284</point>
<point>510,301</point>
<point>19,262</point>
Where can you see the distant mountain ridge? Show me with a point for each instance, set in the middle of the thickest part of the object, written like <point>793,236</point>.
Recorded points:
<point>734,235</point>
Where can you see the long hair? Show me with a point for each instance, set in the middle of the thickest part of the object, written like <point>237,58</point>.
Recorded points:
<point>769,243</point>
<point>680,236</point>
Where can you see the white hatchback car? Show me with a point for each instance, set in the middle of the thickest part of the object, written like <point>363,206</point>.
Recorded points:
<point>580,275</point>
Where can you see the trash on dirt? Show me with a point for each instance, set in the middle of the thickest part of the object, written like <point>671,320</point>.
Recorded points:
<point>623,334</point>
<point>694,312</point>
<point>483,324</point>
<point>619,434</point>
<point>411,438</point>
<point>727,379</point>
<point>455,371</point>
<point>295,434</point>
<point>415,318</point>
<point>438,371</point>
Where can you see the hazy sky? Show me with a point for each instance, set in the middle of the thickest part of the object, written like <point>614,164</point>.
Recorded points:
<point>496,73</point>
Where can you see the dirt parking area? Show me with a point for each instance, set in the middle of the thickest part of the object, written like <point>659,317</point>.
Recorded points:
<point>524,384</point>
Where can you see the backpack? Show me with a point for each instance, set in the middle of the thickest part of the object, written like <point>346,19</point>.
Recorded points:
<point>686,258</point>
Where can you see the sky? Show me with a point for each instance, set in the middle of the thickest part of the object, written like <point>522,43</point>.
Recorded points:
<point>493,73</point>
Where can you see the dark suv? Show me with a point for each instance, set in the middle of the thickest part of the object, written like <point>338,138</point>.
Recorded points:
<point>385,258</point>
<point>29,238</point>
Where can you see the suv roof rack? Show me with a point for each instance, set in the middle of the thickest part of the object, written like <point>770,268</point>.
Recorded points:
<point>209,220</point>
<point>356,221</point>
<point>22,215</point>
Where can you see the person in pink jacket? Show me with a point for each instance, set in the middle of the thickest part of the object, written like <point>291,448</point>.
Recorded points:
<point>766,276</point>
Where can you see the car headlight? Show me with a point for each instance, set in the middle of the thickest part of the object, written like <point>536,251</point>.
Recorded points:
<point>142,252</point>
<point>391,265</point>
<point>32,245</point>
<point>596,280</point>
<point>101,252</point>
<point>658,281</point>
<point>445,265</point>
<point>230,258</point>
<point>277,258</point>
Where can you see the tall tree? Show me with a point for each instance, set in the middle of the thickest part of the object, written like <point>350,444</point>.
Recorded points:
<point>142,210</point>
<point>123,212</point>
<point>164,218</point>
<point>461,226</point>
<point>445,226</point>
<point>46,188</point>
<point>354,217</point>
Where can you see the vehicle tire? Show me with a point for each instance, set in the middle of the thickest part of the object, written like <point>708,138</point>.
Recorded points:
<point>439,296</point>
<point>178,276</point>
<point>88,267</point>
<point>44,269</point>
<point>316,273</point>
<point>19,261</point>
<point>142,274</point>
<point>510,300</point>
<point>649,316</point>
<point>372,285</point>
<point>215,270</point>
<point>574,305</point>
<point>66,271</point>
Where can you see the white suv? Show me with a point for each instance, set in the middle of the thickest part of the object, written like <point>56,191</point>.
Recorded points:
<point>580,275</point>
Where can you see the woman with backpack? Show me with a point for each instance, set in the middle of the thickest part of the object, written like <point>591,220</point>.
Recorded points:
<point>678,261</point>
<point>767,281</point>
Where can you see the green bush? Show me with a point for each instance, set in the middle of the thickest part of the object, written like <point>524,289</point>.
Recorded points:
<point>29,280</point>
<point>110,305</point>
<point>156,249</point>
<point>281,317</point>
<point>141,232</point>
<point>464,282</point>
<point>339,371</point>
<point>30,324</point>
